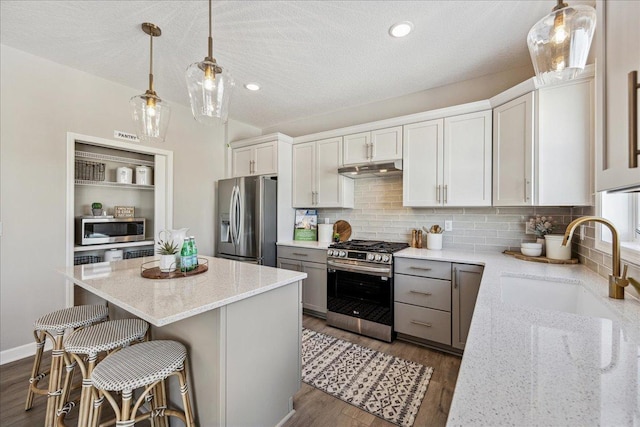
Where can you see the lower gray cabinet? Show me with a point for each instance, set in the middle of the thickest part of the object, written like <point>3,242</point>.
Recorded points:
<point>314,287</point>
<point>434,300</point>
<point>465,286</point>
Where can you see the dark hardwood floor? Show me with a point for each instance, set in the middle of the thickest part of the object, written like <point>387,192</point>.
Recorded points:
<point>313,407</point>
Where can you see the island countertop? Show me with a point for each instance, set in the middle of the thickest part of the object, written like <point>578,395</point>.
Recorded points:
<point>529,365</point>
<point>164,301</point>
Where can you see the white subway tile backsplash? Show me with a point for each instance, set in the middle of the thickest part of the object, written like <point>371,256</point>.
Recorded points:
<point>379,214</point>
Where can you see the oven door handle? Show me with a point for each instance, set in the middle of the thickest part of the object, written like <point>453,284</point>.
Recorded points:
<point>359,268</point>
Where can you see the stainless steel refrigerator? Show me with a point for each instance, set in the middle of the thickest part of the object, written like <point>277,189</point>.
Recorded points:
<point>246,219</point>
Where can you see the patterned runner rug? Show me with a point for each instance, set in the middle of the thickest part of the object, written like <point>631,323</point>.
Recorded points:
<point>383,385</point>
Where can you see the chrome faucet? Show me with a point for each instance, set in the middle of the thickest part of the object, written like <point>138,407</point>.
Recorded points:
<point>617,282</point>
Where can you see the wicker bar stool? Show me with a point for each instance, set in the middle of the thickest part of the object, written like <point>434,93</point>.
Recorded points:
<point>143,365</point>
<point>91,341</point>
<point>53,325</point>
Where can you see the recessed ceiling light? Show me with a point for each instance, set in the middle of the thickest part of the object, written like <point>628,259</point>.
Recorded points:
<point>401,29</point>
<point>252,86</point>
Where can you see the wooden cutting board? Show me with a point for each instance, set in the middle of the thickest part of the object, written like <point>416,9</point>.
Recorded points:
<point>343,228</point>
<point>519,255</point>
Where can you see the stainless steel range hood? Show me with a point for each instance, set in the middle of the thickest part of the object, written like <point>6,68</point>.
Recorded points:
<point>369,170</point>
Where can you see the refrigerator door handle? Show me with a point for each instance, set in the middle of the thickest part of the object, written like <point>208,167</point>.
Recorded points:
<point>232,216</point>
<point>239,215</point>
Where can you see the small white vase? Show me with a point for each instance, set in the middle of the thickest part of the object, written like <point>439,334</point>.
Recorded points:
<point>167,263</point>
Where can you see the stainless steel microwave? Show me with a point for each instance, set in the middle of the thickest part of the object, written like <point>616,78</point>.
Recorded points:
<point>94,231</point>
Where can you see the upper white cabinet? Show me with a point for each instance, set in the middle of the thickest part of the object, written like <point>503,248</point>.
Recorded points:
<point>618,53</point>
<point>259,159</point>
<point>447,162</point>
<point>315,180</point>
<point>542,147</point>
<point>375,146</point>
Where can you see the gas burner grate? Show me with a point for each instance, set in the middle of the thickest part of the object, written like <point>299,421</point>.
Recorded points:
<point>370,246</point>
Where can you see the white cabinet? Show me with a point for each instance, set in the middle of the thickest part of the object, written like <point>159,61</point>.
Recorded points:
<point>447,162</point>
<point>315,181</point>
<point>259,159</point>
<point>464,292</point>
<point>542,146</point>
<point>618,53</point>
<point>314,287</point>
<point>375,146</point>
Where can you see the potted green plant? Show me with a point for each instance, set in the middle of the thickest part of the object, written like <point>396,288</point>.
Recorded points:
<point>167,251</point>
<point>96,208</point>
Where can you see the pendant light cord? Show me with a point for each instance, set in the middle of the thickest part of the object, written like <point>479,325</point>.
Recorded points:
<point>210,56</point>
<point>151,62</point>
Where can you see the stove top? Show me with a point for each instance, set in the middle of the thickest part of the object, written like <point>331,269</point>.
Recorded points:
<point>370,246</point>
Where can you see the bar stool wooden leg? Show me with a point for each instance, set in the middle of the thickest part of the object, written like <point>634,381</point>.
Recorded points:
<point>36,376</point>
<point>158,405</point>
<point>55,380</point>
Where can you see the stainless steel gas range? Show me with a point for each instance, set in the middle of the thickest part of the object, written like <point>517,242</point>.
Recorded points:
<point>360,287</point>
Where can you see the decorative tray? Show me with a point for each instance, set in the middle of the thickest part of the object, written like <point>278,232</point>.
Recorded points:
<point>151,270</point>
<point>519,255</point>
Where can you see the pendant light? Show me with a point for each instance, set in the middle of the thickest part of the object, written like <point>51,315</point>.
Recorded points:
<point>209,87</point>
<point>150,113</point>
<point>559,43</point>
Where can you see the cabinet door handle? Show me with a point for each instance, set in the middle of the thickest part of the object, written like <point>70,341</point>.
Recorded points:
<point>299,254</point>
<point>413,291</point>
<point>445,193</point>
<point>455,278</point>
<point>527,183</point>
<point>417,322</point>
<point>373,151</point>
<point>438,194</point>
<point>420,268</point>
<point>634,149</point>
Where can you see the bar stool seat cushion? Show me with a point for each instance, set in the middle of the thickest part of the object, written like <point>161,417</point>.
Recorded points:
<point>139,365</point>
<point>72,317</point>
<point>106,336</point>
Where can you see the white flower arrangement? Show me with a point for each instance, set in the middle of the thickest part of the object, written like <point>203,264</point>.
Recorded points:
<point>541,225</point>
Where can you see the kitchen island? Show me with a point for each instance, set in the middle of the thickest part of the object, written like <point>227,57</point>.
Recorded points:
<point>547,346</point>
<point>241,324</point>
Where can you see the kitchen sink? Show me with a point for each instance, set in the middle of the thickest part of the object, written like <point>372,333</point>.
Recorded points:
<point>563,295</point>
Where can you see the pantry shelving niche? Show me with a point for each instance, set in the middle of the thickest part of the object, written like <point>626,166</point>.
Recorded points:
<point>92,176</point>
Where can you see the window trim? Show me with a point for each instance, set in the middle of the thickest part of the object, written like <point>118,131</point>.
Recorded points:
<point>629,252</point>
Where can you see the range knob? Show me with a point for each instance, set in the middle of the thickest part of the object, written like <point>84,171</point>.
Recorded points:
<point>385,258</point>
<point>330,252</point>
<point>369,257</point>
<point>378,257</point>
<point>342,254</point>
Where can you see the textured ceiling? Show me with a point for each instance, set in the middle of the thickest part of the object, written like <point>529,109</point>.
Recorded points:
<point>311,57</point>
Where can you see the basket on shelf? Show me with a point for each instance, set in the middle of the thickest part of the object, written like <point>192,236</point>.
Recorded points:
<point>89,171</point>
<point>138,253</point>
<point>86,259</point>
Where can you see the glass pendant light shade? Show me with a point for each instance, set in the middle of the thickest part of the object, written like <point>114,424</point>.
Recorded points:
<point>559,43</point>
<point>150,113</point>
<point>210,90</point>
<point>151,117</point>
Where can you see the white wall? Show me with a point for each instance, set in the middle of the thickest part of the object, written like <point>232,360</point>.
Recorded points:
<point>40,102</point>
<point>445,96</point>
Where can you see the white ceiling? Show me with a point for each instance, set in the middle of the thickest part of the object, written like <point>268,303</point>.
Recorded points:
<point>311,57</point>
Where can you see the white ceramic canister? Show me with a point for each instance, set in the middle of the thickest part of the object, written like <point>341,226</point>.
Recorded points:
<point>325,232</point>
<point>113,255</point>
<point>554,248</point>
<point>144,175</point>
<point>124,175</point>
<point>434,241</point>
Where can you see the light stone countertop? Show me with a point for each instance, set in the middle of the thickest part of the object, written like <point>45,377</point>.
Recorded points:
<point>305,244</point>
<point>164,301</point>
<point>524,365</point>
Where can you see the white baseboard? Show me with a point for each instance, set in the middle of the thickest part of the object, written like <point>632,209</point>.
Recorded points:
<point>21,352</point>
<point>286,418</point>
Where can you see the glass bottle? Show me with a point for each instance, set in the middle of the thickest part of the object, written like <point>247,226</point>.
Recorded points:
<point>185,256</point>
<point>194,253</point>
